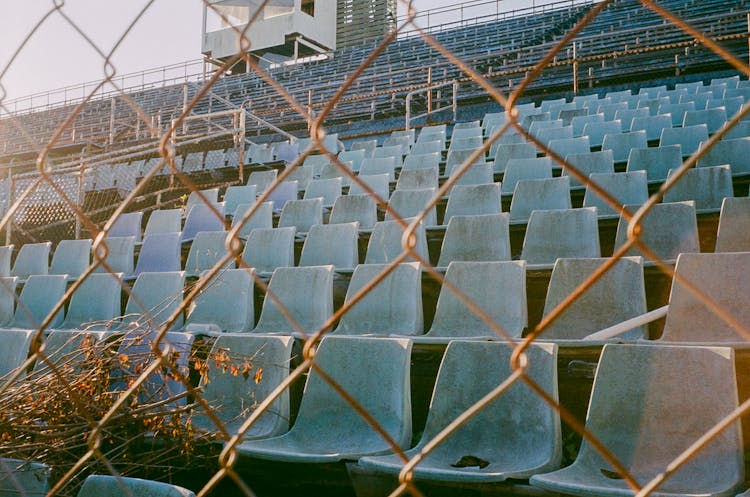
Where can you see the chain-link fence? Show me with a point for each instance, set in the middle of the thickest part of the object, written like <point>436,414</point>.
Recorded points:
<point>506,256</point>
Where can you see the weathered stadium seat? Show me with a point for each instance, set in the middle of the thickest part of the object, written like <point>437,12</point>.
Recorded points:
<point>426,148</point>
<point>334,244</point>
<point>96,304</point>
<point>233,398</point>
<point>652,125</point>
<point>193,162</point>
<point>127,224</point>
<point>281,193</point>
<point>677,111</point>
<point>628,188</point>
<point>24,478</point>
<point>5,255</point>
<point>154,297</point>
<point>516,435</point>
<point>721,277</point>
<point>119,255</point>
<point>617,296</point>
<point>689,138</point>
<point>392,307</point>
<point>378,183</point>
<point>159,252</point>
<point>476,238</point>
<point>626,116</point>
<point>568,146</point>
<point>354,208</point>
<point>263,179</point>
<point>269,248</point>
<point>15,350</point>
<point>590,162</point>
<point>327,189</point>
<point>668,230</point>
<point>539,194</point>
<point>8,286</point>
<point>415,179</point>
<point>706,186</point>
<point>111,486</point>
<point>640,383</point>
<point>419,161</point>
<point>302,214</point>
<point>733,152</point>
<point>71,257</point>
<point>411,203</point>
<point>211,197</point>
<point>521,169</point>
<point>579,124</point>
<point>469,200</point>
<point>302,175</point>
<point>202,218</point>
<point>306,293</point>
<point>206,251</point>
<point>622,143</point>
<point>379,165</point>
<point>367,145</point>
<point>354,156</point>
<point>476,174</point>
<point>498,288</point>
<point>375,372</point>
<point>505,152</point>
<point>315,162</point>
<point>732,235</point>
<point>656,161</point>
<point>32,258</point>
<point>562,233</point>
<point>394,151</point>
<point>457,157</point>
<point>225,304</point>
<point>262,218</point>
<point>610,109</point>
<point>385,242</point>
<point>714,118</point>
<point>548,135</point>
<point>167,220</point>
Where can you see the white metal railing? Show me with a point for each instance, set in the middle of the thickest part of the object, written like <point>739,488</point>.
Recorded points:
<point>245,107</point>
<point>629,324</point>
<point>237,130</point>
<point>453,85</point>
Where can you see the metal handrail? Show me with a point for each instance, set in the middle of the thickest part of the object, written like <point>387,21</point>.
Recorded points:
<point>430,110</point>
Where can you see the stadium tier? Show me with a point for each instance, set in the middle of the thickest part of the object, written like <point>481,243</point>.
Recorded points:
<point>544,298</point>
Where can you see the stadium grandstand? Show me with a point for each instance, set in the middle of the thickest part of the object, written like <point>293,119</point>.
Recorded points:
<point>358,253</point>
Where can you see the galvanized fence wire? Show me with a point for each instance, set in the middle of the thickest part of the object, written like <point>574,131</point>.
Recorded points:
<point>49,185</point>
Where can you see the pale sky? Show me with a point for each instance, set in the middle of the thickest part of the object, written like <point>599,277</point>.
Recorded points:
<point>168,33</point>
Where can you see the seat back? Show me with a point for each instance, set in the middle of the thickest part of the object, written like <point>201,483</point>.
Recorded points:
<point>392,307</point>
<point>498,288</point>
<point>306,293</point>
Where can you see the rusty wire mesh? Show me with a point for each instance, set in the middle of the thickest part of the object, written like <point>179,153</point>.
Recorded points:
<point>140,161</point>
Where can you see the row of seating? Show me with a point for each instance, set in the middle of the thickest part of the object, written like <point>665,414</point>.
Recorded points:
<point>657,161</point>
<point>568,133</point>
<point>670,228</point>
<point>303,303</point>
<point>516,435</point>
<point>649,110</point>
